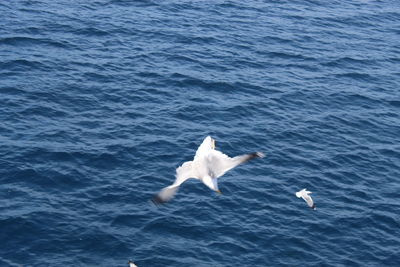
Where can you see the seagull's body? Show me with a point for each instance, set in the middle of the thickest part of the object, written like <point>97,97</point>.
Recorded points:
<point>208,164</point>
<point>304,194</point>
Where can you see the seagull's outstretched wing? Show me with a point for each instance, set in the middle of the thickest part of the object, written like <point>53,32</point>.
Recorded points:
<point>300,193</point>
<point>309,200</point>
<point>183,173</point>
<point>219,163</point>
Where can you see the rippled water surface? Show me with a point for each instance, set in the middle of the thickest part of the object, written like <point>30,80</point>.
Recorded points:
<point>100,101</point>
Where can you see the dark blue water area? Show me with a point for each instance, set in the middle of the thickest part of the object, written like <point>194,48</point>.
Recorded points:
<point>100,102</point>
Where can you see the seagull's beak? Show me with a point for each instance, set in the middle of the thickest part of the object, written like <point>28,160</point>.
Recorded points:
<point>218,191</point>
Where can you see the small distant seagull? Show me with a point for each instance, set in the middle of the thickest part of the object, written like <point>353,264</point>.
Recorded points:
<point>208,164</point>
<point>131,264</point>
<point>304,194</point>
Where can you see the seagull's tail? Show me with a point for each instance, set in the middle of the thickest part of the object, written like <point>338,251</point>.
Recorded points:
<point>165,195</point>
<point>298,194</point>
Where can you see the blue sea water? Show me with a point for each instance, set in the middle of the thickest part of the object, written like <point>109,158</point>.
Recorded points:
<point>100,101</point>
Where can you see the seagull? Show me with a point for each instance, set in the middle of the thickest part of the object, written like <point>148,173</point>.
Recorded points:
<point>208,164</point>
<point>131,264</point>
<point>304,194</point>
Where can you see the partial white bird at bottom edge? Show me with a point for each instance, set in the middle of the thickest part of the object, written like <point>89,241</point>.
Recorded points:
<point>208,165</point>
<point>131,264</point>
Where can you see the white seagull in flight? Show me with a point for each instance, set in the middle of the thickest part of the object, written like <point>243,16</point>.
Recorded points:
<point>208,164</point>
<point>304,194</point>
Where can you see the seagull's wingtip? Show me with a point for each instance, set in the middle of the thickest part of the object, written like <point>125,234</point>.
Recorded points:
<point>260,154</point>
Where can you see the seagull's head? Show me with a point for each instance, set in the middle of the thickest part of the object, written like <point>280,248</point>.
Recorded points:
<point>212,143</point>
